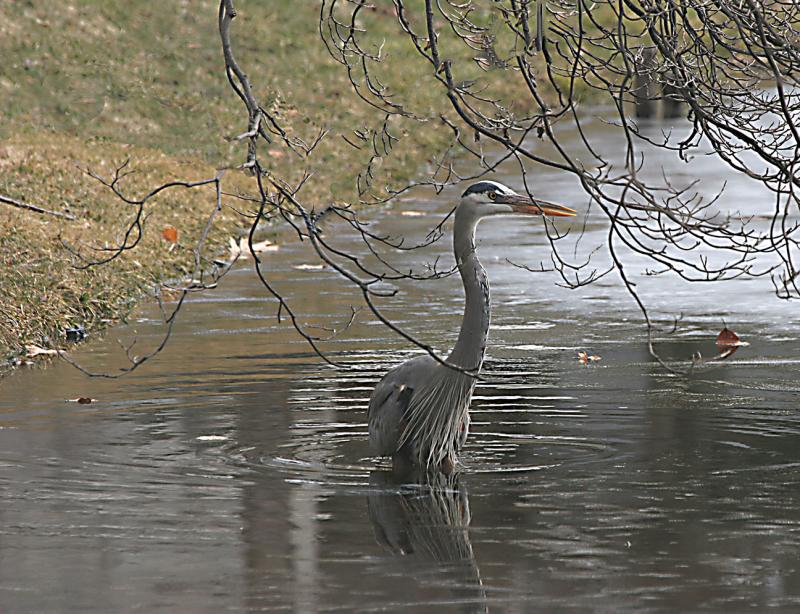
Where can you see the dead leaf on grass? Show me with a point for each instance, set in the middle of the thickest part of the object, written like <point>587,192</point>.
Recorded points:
<point>34,350</point>
<point>170,233</point>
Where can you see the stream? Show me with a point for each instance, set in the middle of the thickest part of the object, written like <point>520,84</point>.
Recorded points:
<point>232,473</point>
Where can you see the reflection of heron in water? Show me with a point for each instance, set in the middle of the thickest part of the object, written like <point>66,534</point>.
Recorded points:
<point>427,520</point>
<point>419,412</point>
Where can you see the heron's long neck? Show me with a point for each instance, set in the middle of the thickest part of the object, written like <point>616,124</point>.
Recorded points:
<point>469,349</point>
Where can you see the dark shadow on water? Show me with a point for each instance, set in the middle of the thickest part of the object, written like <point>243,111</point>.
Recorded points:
<point>425,519</point>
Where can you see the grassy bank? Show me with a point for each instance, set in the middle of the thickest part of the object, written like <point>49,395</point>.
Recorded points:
<point>95,83</point>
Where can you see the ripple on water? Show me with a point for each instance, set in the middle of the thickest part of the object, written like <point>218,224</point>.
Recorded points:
<point>350,468</point>
<point>328,437</point>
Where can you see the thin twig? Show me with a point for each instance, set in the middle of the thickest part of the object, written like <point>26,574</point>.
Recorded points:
<point>6,200</point>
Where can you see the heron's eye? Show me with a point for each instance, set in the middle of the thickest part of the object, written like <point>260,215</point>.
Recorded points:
<point>492,195</point>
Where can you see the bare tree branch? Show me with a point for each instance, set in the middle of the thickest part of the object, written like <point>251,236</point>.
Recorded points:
<point>6,200</point>
<point>510,79</point>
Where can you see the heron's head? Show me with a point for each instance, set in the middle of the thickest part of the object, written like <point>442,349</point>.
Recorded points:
<point>493,198</point>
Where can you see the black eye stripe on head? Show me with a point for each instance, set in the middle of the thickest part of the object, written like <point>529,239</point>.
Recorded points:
<point>483,187</point>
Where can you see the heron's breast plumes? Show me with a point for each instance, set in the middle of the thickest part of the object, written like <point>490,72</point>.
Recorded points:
<point>436,415</point>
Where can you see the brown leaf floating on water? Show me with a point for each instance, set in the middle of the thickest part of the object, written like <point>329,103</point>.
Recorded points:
<point>585,358</point>
<point>82,400</point>
<point>728,342</point>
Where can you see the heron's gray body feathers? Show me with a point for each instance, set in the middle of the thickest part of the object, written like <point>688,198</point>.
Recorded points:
<point>391,399</point>
<point>403,417</point>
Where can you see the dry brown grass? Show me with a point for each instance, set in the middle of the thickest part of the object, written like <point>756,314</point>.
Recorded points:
<point>43,292</point>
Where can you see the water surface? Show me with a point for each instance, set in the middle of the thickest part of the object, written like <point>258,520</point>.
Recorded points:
<point>232,473</point>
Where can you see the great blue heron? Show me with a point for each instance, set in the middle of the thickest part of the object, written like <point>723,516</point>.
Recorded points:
<point>419,412</point>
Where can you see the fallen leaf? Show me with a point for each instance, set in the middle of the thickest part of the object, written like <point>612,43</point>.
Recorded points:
<point>585,358</point>
<point>264,246</point>
<point>35,350</point>
<point>728,342</point>
<point>728,338</point>
<point>234,249</point>
<point>82,400</point>
<point>212,438</point>
<point>242,249</point>
<point>169,294</point>
<point>170,233</point>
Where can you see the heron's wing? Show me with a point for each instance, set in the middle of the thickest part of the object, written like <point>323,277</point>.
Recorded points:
<point>390,401</point>
<point>387,408</point>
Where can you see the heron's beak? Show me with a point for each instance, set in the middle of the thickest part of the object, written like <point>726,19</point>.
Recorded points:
<point>535,206</point>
